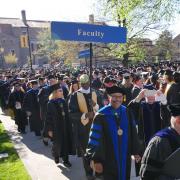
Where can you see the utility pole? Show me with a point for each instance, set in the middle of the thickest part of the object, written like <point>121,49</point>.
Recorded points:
<point>91,20</point>
<point>23,14</point>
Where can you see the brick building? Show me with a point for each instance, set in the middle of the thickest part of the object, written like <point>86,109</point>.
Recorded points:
<point>176,44</point>
<point>13,40</point>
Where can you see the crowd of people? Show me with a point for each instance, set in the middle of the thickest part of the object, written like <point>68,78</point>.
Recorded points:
<point>105,119</point>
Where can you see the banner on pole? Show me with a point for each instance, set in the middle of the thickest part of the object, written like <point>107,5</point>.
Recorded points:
<point>84,53</point>
<point>70,31</point>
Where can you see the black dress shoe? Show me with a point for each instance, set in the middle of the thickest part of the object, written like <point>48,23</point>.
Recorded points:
<point>45,142</point>
<point>37,133</point>
<point>23,131</point>
<point>90,177</point>
<point>56,159</point>
<point>67,164</point>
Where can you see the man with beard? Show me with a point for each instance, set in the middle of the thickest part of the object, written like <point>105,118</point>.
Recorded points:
<point>82,107</point>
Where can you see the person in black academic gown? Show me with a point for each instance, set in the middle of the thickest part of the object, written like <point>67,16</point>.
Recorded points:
<point>113,139</point>
<point>161,146</point>
<point>15,103</point>
<point>147,112</point>
<point>173,97</point>
<point>59,126</point>
<point>32,109</point>
<point>82,107</point>
<point>43,98</point>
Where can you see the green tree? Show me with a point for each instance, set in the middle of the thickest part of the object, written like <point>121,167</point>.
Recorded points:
<point>164,45</point>
<point>140,17</point>
<point>10,59</point>
<point>56,50</point>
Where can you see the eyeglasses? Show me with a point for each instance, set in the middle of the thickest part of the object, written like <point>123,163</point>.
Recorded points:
<point>60,90</point>
<point>117,97</point>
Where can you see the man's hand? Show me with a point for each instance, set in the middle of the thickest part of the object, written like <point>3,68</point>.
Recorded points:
<point>90,115</point>
<point>50,133</point>
<point>141,95</point>
<point>93,103</point>
<point>137,158</point>
<point>28,113</point>
<point>97,167</point>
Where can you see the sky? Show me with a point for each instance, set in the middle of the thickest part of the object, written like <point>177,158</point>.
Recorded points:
<point>59,10</point>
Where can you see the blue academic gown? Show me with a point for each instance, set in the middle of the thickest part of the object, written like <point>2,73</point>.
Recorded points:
<point>109,148</point>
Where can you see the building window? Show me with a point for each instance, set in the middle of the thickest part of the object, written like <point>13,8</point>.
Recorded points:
<point>32,47</point>
<point>178,45</point>
<point>12,52</point>
<point>24,32</point>
<point>4,40</point>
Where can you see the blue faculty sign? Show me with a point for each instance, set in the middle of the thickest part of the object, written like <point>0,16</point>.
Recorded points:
<point>88,32</point>
<point>84,53</point>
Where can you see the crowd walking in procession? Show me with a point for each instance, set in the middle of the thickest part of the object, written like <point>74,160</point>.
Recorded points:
<point>106,119</point>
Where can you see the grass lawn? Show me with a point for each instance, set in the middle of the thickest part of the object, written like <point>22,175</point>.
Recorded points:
<point>11,168</point>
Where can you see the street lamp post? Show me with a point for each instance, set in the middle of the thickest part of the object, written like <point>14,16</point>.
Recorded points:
<point>23,13</point>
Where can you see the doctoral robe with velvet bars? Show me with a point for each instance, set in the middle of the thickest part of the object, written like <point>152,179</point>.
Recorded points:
<point>107,147</point>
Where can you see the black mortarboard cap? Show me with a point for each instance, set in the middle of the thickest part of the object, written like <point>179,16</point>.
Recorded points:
<point>55,87</point>
<point>136,77</point>
<point>74,81</point>
<point>174,109</point>
<point>51,76</point>
<point>33,82</point>
<point>107,80</point>
<point>168,72</point>
<point>115,89</point>
<point>149,87</point>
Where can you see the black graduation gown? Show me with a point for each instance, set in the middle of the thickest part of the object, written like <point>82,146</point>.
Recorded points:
<point>135,92</point>
<point>149,120</point>
<point>173,97</point>
<point>81,132</point>
<point>162,145</point>
<point>107,147</point>
<point>31,104</point>
<point>59,123</point>
<point>43,98</point>
<point>128,94</point>
<point>4,93</point>
<point>20,116</point>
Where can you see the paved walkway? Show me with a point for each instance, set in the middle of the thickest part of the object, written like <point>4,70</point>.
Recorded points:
<point>37,158</point>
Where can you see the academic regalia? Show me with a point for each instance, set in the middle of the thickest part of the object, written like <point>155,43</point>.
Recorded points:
<point>43,98</point>
<point>173,97</point>
<point>80,103</point>
<point>149,120</point>
<point>128,95</point>
<point>106,146</point>
<point>76,100</point>
<point>135,91</point>
<point>4,93</point>
<point>161,146</point>
<point>15,103</point>
<point>31,104</point>
<point>59,123</point>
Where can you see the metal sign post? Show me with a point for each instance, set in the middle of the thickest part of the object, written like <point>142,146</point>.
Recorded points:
<point>90,68</point>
